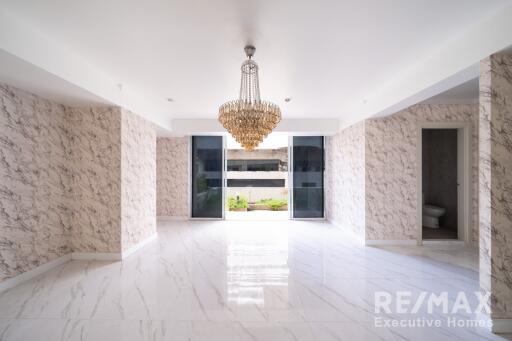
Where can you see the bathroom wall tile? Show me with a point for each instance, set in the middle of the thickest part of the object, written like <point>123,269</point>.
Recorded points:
<point>172,163</point>
<point>496,183</point>
<point>345,168</point>
<point>391,168</point>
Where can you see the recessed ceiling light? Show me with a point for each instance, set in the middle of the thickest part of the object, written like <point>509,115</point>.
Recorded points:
<point>287,99</point>
<point>169,99</point>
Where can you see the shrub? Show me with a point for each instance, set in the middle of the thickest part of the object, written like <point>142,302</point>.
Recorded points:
<point>237,202</point>
<point>273,204</point>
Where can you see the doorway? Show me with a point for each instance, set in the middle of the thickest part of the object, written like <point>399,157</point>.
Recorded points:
<point>281,179</point>
<point>443,184</point>
<point>257,185</point>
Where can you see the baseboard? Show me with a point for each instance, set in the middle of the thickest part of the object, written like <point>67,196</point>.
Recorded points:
<point>19,279</point>
<point>390,242</point>
<point>138,246</point>
<point>443,242</point>
<point>112,256</point>
<point>172,218</point>
<point>101,256</point>
<point>498,326</point>
<point>350,233</point>
<point>104,256</point>
<point>501,326</point>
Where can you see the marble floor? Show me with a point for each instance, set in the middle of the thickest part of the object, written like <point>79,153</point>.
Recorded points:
<point>257,215</point>
<point>232,280</point>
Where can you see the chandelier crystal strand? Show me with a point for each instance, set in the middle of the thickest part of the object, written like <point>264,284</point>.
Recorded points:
<point>249,119</point>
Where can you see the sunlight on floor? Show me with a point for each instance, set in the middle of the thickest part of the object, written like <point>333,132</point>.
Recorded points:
<point>256,260</point>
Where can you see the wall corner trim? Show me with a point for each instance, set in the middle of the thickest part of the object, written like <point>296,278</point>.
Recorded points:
<point>138,246</point>
<point>23,277</point>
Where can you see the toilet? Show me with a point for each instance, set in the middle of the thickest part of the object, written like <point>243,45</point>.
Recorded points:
<point>431,215</point>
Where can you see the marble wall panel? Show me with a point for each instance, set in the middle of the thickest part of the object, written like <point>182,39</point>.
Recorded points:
<point>392,168</point>
<point>172,162</point>
<point>35,185</point>
<point>495,183</point>
<point>73,180</point>
<point>345,169</point>
<point>96,181</point>
<point>138,179</point>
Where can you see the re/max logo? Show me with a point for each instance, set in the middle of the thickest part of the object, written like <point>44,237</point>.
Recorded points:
<point>402,302</point>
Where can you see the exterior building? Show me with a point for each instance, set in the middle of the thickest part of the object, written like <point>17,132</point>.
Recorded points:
<point>259,174</point>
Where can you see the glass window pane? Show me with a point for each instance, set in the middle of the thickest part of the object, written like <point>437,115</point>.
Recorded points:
<point>207,176</point>
<point>308,176</point>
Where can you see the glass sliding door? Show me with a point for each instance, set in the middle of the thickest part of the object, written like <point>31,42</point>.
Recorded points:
<point>308,176</point>
<point>207,176</point>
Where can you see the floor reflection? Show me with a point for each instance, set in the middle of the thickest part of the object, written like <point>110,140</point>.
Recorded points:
<point>256,259</point>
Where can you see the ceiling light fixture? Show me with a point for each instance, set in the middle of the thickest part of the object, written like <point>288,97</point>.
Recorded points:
<point>249,119</point>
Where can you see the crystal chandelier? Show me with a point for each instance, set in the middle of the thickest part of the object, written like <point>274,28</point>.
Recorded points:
<point>249,119</point>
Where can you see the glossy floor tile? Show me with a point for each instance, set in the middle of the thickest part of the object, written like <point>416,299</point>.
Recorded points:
<point>257,215</point>
<point>233,280</point>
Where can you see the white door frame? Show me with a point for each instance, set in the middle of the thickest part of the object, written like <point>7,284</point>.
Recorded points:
<point>464,143</point>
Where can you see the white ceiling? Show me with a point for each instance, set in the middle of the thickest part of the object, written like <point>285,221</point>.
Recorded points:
<point>466,93</point>
<point>329,56</point>
<point>23,75</point>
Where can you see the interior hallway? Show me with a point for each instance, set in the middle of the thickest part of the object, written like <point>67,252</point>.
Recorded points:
<point>224,280</point>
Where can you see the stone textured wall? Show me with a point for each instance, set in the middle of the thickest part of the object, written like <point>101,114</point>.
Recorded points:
<point>73,180</point>
<point>35,186</point>
<point>96,182</point>
<point>392,168</point>
<point>495,183</point>
<point>138,180</point>
<point>345,169</point>
<point>372,172</point>
<point>172,176</point>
